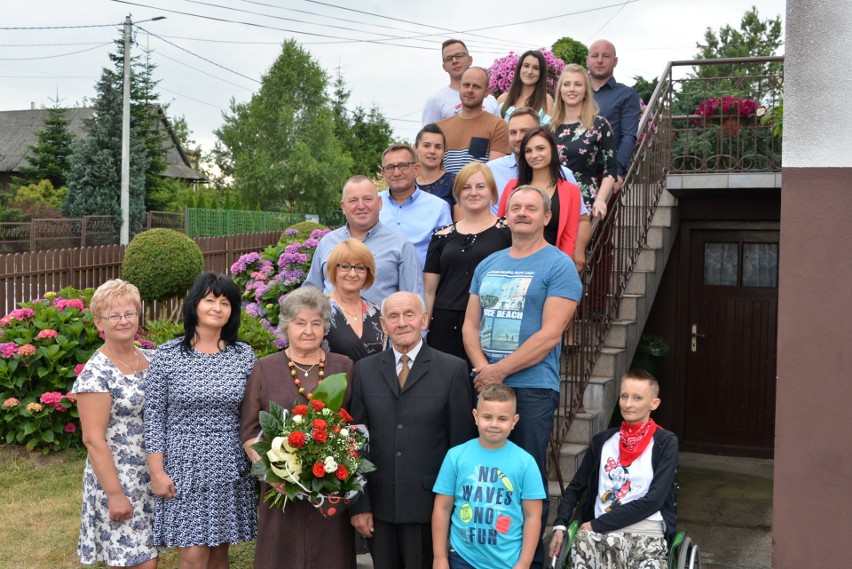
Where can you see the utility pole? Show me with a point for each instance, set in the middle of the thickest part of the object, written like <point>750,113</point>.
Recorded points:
<point>124,236</point>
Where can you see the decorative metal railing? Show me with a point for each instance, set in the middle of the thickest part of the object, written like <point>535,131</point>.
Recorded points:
<point>671,139</point>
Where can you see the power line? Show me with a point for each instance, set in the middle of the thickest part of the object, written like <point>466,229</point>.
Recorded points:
<point>210,61</point>
<point>45,44</point>
<point>161,54</point>
<point>54,56</point>
<point>60,27</point>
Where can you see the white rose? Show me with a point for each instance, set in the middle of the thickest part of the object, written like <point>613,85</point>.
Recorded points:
<point>298,418</point>
<point>344,433</point>
<point>326,411</point>
<point>330,464</point>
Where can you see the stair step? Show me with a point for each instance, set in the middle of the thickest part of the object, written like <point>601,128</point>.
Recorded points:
<point>647,260</point>
<point>621,334</point>
<point>662,217</point>
<point>570,457</point>
<point>631,306</point>
<point>600,392</point>
<point>586,424</point>
<point>611,363</point>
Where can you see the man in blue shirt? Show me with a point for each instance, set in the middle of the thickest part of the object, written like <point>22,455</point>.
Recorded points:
<point>405,207</point>
<point>397,265</point>
<point>521,300</point>
<point>618,103</point>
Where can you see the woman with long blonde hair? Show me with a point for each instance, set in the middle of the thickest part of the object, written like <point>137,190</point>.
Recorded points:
<point>585,139</point>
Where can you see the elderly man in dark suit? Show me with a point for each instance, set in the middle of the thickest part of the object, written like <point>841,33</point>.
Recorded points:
<point>417,403</point>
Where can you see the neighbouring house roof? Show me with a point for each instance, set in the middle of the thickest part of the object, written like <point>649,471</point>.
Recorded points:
<point>18,132</point>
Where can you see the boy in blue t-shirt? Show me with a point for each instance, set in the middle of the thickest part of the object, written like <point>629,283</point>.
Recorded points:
<point>489,490</point>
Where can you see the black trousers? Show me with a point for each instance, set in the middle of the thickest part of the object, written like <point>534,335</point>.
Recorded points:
<point>401,546</point>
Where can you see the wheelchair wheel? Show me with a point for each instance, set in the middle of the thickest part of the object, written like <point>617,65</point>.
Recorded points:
<point>562,560</point>
<point>683,553</point>
<point>694,557</point>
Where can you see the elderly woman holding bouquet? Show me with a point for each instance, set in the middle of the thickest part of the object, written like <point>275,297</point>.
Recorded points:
<point>118,506</point>
<point>297,536</point>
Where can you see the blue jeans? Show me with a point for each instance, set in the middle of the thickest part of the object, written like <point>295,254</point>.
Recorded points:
<point>536,408</point>
<point>457,561</point>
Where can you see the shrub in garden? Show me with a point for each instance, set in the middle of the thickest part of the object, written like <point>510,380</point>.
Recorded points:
<point>43,346</point>
<point>261,340</point>
<point>266,277</point>
<point>299,232</point>
<point>503,69</point>
<point>162,263</point>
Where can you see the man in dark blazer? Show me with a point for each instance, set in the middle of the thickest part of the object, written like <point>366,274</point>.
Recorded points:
<point>417,403</point>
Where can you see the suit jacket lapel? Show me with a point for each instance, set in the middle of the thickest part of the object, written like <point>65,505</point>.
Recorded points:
<point>388,371</point>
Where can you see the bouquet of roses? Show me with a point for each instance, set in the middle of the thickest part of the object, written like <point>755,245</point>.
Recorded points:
<point>313,451</point>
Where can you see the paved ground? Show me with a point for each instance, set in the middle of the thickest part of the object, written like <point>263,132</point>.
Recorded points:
<point>725,504</point>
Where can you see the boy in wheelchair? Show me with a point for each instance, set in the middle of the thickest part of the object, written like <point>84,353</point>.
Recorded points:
<point>629,516</point>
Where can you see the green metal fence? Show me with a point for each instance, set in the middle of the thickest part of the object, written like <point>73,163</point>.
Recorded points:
<point>216,222</point>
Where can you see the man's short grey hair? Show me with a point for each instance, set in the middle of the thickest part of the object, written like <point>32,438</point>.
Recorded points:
<point>419,301</point>
<point>308,297</point>
<point>528,188</point>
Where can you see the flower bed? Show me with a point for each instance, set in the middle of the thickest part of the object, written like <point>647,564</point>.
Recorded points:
<point>268,276</point>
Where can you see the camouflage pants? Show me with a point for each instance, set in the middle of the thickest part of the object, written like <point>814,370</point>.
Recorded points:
<point>615,550</point>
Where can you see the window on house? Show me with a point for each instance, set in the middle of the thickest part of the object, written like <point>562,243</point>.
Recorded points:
<point>760,265</point>
<point>721,263</point>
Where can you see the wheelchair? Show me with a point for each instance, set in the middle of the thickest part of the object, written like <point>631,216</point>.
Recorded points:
<point>683,552</point>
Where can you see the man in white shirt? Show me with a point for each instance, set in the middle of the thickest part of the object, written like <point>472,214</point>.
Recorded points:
<point>446,102</point>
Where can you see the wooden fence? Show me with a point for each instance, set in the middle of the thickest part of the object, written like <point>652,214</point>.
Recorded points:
<point>27,276</point>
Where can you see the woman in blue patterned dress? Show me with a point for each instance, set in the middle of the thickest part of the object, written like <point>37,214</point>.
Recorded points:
<point>118,507</point>
<point>199,472</point>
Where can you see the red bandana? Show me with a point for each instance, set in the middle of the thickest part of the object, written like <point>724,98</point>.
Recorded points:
<point>633,440</point>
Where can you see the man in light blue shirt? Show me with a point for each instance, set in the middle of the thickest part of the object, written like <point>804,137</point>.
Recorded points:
<point>506,168</point>
<point>405,208</point>
<point>397,265</point>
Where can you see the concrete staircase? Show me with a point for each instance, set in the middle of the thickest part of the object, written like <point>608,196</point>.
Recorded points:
<point>600,397</point>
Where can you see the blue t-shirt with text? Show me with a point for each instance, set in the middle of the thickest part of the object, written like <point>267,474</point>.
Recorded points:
<point>512,292</point>
<point>488,486</point>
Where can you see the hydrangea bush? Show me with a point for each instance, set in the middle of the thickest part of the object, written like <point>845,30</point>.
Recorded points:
<point>43,345</point>
<point>503,70</point>
<point>266,277</point>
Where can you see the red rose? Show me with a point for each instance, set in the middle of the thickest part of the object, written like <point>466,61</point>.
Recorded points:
<point>296,439</point>
<point>342,473</point>
<point>346,417</point>
<point>335,429</point>
<point>300,410</point>
<point>319,424</point>
<point>320,436</point>
<point>317,405</point>
<point>354,453</point>
<point>319,469</point>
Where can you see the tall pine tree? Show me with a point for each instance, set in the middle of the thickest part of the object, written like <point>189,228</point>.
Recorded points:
<point>48,157</point>
<point>94,180</point>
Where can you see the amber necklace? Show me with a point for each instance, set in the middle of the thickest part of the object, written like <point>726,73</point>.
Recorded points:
<point>293,367</point>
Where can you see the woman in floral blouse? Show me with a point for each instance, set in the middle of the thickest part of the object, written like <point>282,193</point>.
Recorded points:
<point>585,140</point>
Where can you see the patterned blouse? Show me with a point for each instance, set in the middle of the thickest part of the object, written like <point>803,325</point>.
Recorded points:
<point>587,153</point>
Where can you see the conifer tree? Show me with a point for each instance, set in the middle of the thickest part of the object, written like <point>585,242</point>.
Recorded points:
<point>48,157</point>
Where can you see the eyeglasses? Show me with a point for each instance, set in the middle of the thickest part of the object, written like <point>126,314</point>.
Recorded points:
<point>455,56</point>
<point>402,167</point>
<point>346,267</point>
<point>119,317</point>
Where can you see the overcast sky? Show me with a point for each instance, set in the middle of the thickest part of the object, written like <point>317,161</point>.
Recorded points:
<point>389,51</point>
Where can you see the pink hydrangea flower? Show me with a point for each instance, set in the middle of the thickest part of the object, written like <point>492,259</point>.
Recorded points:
<point>52,398</point>
<point>78,368</point>
<point>62,304</point>
<point>34,407</point>
<point>70,427</point>
<point>26,350</point>
<point>46,334</point>
<point>71,397</point>
<point>5,321</point>
<point>11,402</point>
<point>8,349</point>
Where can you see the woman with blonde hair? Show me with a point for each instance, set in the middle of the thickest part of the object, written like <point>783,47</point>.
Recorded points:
<point>585,139</point>
<point>455,251</point>
<point>355,330</point>
<point>118,505</point>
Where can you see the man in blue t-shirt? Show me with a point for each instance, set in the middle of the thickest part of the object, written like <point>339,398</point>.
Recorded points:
<point>521,301</point>
<point>490,492</point>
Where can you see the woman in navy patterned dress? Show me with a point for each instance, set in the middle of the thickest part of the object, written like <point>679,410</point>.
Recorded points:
<point>199,472</point>
<point>118,507</point>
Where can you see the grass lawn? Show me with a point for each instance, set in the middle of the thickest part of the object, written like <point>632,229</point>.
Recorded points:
<point>40,512</point>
